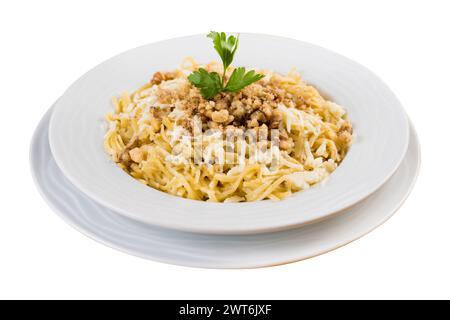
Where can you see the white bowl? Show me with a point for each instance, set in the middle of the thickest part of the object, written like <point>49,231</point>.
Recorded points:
<point>217,251</point>
<point>381,126</point>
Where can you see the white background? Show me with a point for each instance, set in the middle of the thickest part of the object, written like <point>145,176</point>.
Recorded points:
<point>46,45</point>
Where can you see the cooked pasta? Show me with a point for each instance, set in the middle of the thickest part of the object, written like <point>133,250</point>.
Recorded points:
<point>274,137</point>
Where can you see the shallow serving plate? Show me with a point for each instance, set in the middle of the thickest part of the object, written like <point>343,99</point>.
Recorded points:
<point>212,250</point>
<point>76,134</point>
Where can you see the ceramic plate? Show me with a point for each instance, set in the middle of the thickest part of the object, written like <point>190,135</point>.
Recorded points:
<point>216,251</point>
<point>77,129</point>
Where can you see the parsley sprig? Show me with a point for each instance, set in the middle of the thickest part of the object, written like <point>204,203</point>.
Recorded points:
<point>211,83</point>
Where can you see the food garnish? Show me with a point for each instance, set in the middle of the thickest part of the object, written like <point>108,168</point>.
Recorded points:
<point>211,83</point>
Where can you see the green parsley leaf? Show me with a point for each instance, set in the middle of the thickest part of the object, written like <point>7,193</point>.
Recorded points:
<point>239,79</point>
<point>225,47</point>
<point>209,83</point>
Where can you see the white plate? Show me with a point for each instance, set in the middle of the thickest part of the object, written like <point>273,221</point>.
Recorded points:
<point>216,251</point>
<point>381,126</point>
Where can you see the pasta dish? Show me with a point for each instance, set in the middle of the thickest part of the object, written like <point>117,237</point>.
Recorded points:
<point>150,133</point>
<point>267,140</point>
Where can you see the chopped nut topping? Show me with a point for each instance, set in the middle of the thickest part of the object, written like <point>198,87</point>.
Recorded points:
<point>220,116</point>
<point>136,154</point>
<point>159,77</point>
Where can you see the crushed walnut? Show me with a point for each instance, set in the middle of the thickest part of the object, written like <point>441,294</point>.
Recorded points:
<point>253,107</point>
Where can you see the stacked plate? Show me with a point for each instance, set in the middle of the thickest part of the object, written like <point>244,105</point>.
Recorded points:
<point>89,191</point>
